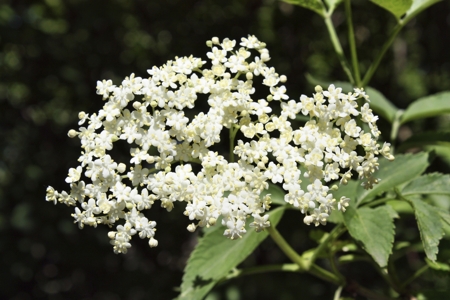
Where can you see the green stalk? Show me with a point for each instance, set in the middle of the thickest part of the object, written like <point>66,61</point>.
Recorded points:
<point>312,269</point>
<point>373,67</point>
<point>338,48</point>
<point>262,269</point>
<point>286,248</point>
<point>351,40</point>
<point>333,235</point>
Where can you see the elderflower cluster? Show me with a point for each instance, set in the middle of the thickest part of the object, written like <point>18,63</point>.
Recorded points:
<point>170,153</point>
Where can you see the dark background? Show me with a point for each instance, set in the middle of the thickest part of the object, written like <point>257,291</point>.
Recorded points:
<point>51,55</point>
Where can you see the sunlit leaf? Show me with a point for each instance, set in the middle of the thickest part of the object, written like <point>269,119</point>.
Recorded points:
<point>417,7</point>
<point>314,5</point>
<point>428,184</point>
<point>397,7</point>
<point>426,107</point>
<point>403,169</point>
<point>215,255</point>
<point>430,226</point>
<point>374,228</point>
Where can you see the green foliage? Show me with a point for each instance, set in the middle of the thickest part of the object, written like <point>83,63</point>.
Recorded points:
<point>428,184</point>
<point>53,53</point>
<point>430,226</point>
<point>397,7</point>
<point>332,4</point>
<point>374,228</point>
<point>426,107</point>
<point>417,7</point>
<point>314,5</point>
<point>215,256</point>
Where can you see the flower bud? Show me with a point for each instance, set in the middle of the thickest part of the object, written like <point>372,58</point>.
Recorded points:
<point>72,133</point>
<point>191,227</point>
<point>152,243</point>
<point>121,168</point>
<point>136,105</point>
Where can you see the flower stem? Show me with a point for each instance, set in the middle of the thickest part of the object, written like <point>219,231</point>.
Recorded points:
<point>338,48</point>
<point>351,39</point>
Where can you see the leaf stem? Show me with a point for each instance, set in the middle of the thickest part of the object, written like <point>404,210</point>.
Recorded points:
<point>262,269</point>
<point>338,48</point>
<point>285,247</point>
<point>373,67</point>
<point>312,268</point>
<point>351,39</point>
<point>333,235</point>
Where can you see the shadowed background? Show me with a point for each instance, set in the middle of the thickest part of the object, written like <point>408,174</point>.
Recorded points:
<point>51,55</point>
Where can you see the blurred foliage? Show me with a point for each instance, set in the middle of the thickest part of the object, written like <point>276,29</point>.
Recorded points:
<point>52,53</point>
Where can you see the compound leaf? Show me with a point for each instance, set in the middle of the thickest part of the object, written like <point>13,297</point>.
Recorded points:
<point>374,228</point>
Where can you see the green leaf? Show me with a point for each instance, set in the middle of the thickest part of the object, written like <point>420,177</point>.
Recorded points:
<point>430,226</point>
<point>215,255</point>
<point>332,4</point>
<point>445,216</point>
<point>397,7</point>
<point>403,169</point>
<point>378,102</point>
<point>314,5</point>
<point>417,7</point>
<point>429,106</point>
<point>276,194</point>
<point>374,228</point>
<point>427,138</point>
<point>435,183</point>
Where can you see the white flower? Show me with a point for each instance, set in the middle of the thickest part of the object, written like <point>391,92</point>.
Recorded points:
<point>174,156</point>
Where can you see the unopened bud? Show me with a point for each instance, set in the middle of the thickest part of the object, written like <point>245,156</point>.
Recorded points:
<point>136,105</point>
<point>121,168</point>
<point>153,243</point>
<point>72,133</point>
